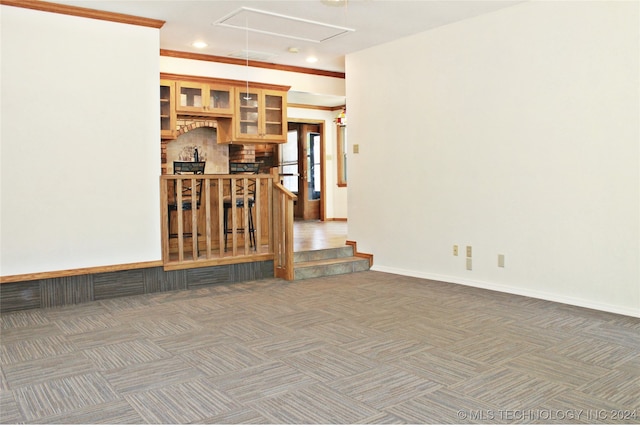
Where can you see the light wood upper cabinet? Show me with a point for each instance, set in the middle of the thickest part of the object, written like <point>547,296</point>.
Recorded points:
<point>260,116</point>
<point>275,115</point>
<point>204,99</point>
<point>167,110</point>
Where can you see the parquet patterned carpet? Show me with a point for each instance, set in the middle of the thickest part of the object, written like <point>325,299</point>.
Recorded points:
<point>363,348</point>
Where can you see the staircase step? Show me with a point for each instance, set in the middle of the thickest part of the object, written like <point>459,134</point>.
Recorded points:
<point>320,254</point>
<point>329,267</point>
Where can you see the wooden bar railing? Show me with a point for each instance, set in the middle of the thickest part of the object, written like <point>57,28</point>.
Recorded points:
<point>195,236</point>
<point>283,231</point>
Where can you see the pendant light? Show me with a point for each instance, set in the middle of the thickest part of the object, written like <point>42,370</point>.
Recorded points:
<point>246,51</point>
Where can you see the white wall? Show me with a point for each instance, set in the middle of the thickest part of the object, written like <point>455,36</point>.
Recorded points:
<point>79,138</point>
<point>516,132</point>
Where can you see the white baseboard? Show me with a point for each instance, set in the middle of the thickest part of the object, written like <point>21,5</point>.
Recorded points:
<point>563,299</point>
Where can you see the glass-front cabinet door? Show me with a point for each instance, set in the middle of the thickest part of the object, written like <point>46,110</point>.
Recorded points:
<point>248,114</point>
<point>274,115</point>
<point>261,115</point>
<point>193,97</point>
<point>220,99</point>
<point>167,112</point>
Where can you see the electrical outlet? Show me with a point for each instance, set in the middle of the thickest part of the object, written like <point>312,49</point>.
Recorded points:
<point>356,148</point>
<point>500,260</point>
<point>455,250</point>
<point>469,264</point>
<point>469,252</point>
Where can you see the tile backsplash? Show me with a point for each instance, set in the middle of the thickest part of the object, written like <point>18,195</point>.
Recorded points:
<point>203,139</point>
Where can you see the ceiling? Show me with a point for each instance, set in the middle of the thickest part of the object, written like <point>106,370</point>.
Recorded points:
<point>362,24</point>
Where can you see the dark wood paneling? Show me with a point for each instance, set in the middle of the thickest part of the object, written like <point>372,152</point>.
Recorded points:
<point>66,291</point>
<point>158,280</point>
<point>20,296</point>
<point>199,277</point>
<point>77,289</point>
<point>118,284</point>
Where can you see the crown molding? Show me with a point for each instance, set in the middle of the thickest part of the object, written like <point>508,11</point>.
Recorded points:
<point>84,12</point>
<point>315,107</point>
<point>257,64</point>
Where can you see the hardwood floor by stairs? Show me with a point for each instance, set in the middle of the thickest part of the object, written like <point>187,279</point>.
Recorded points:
<point>361,348</point>
<point>313,235</point>
<point>320,250</point>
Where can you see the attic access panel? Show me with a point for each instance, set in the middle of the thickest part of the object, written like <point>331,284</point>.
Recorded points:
<point>276,24</point>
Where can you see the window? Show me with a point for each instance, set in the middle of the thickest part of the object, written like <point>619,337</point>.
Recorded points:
<point>313,165</point>
<point>342,155</point>
<point>289,162</point>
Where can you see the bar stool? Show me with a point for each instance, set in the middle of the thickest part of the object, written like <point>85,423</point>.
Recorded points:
<point>246,168</point>
<point>182,168</point>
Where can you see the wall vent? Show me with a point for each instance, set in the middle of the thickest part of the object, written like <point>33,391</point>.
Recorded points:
<point>253,55</point>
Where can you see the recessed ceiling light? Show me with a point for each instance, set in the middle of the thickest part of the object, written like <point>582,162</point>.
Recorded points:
<point>199,44</point>
<point>312,59</point>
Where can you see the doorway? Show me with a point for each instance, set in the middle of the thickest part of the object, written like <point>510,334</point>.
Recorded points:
<point>302,170</point>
